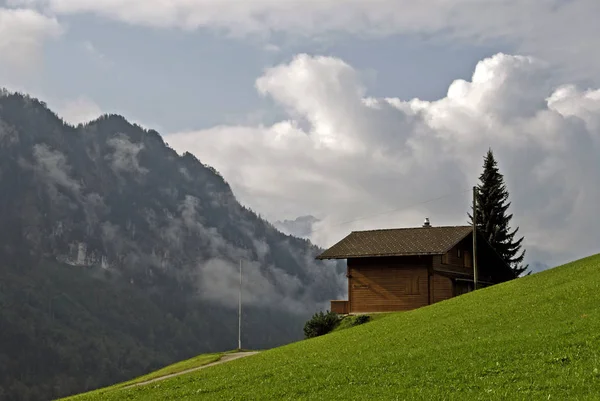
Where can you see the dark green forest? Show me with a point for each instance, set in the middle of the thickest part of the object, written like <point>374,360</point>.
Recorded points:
<point>117,256</point>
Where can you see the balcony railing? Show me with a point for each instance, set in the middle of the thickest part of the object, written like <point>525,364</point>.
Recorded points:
<point>340,307</point>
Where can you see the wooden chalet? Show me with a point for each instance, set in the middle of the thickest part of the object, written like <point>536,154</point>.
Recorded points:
<point>406,268</point>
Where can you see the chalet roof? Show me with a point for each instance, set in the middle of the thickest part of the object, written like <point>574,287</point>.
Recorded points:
<point>398,242</point>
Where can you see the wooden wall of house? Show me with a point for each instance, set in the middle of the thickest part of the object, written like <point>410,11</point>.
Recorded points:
<point>388,284</point>
<point>458,259</point>
<point>442,288</point>
<point>382,284</point>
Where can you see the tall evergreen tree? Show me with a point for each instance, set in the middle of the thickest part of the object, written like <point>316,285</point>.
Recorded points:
<point>492,218</point>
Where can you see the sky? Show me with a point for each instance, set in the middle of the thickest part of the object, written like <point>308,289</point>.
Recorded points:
<point>364,114</point>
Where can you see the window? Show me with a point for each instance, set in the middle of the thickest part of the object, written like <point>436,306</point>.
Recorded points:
<point>468,259</point>
<point>458,252</point>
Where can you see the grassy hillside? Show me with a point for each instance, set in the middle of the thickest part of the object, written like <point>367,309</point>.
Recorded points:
<point>534,338</point>
<point>187,364</point>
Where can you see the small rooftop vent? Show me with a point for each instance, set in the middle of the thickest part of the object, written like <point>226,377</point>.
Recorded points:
<point>426,223</point>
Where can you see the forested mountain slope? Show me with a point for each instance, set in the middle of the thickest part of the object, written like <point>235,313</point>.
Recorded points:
<point>117,256</point>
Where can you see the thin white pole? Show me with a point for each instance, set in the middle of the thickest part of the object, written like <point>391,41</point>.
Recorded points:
<point>475,238</point>
<point>240,311</point>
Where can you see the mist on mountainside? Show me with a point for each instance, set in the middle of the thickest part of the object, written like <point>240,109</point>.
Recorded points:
<point>300,227</point>
<point>120,255</point>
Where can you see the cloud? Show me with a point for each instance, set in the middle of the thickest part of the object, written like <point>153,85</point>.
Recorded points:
<point>264,284</point>
<point>92,50</point>
<point>300,227</point>
<point>219,281</point>
<point>96,55</point>
<point>73,111</point>
<point>125,155</point>
<point>542,28</point>
<point>53,166</point>
<point>22,34</point>
<point>341,155</point>
<point>271,48</point>
<point>269,286</point>
<point>80,110</point>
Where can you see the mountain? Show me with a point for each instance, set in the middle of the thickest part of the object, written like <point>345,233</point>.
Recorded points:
<point>300,227</point>
<point>118,256</point>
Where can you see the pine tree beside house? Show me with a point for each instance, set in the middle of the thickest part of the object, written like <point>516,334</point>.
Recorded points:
<point>492,218</point>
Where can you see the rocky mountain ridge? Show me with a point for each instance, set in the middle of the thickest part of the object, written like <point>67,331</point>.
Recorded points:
<point>113,201</point>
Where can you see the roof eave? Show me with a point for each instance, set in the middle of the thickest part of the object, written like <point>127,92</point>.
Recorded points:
<point>456,242</point>
<point>321,257</point>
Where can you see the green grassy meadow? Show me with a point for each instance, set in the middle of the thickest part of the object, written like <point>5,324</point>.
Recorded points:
<point>347,322</point>
<point>181,366</point>
<point>535,338</point>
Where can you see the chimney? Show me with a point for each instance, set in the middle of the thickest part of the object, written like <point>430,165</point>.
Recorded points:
<point>426,223</point>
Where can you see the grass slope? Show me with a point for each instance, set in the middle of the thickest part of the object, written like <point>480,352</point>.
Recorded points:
<point>349,321</point>
<point>191,363</point>
<point>537,337</point>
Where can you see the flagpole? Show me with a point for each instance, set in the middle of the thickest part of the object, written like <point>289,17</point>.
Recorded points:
<point>240,311</point>
<point>475,238</point>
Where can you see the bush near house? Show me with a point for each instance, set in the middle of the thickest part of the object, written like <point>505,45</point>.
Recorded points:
<point>321,323</point>
<point>360,319</point>
<point>349,321</point>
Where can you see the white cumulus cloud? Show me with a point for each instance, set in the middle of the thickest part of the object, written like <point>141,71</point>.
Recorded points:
<point>342,155</point>
<point>562,31</point>
<point>79,110</point>
<point>22,34</point>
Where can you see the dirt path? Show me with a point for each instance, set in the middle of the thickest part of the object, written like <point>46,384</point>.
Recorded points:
<point>224,358</point>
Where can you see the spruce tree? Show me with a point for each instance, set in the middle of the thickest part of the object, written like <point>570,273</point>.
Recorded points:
<point>492,218</point>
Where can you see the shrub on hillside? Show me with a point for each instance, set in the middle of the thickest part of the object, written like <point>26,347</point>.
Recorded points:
<point>321,323</point>
<point>360,319</point>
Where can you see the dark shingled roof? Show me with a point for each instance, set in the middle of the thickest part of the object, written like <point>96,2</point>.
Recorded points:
<point>397,242</point>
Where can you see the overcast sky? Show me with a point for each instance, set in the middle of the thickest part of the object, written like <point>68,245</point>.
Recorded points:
<point>343,109</point>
